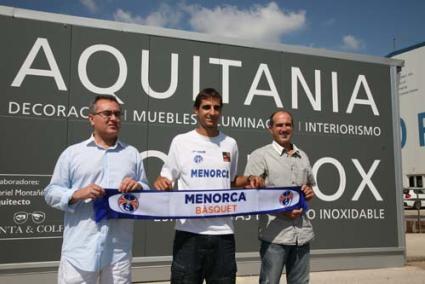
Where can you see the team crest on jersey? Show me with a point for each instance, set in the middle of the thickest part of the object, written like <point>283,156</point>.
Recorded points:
<point>197,159</point>
<point>128,202</point>
<point>226,156</point>
<point>286,198</point>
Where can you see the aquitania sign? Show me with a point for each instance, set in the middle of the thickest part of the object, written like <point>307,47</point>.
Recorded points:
<point>344,107</point>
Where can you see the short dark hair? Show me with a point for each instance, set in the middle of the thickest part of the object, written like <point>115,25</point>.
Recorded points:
<point>271,122</point>
<point>206,94</point>
<point>92,107</point>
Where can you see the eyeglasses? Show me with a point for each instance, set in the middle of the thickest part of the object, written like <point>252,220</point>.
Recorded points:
<point>109,113</point>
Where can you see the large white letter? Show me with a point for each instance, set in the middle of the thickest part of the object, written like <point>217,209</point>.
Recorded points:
<point>196,67</point>
<point>369,101</point>
<point>366,180</point>
<point>155,154</point>
<point>334,92</point>
<point>82,70</point>
<point>226,63</point>
<point>342,179</point>
<point>40,43</point>
<point>174,76</point>
<point>253,91</point>
<point>296,76</point>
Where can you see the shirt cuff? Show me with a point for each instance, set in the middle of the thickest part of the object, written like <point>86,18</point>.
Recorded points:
<point>66,198</point>
<point>144,185</point>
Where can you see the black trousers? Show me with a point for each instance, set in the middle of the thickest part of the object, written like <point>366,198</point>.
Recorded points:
<point>203,257</point>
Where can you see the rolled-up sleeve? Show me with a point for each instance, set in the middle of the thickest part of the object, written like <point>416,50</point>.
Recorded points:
<point>59,192</point>
<point>310,176</point>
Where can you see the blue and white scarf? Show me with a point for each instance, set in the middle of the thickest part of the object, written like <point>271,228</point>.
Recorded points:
<point>153,204</point>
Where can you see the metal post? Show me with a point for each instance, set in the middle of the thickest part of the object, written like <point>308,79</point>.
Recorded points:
<point>419,211</point>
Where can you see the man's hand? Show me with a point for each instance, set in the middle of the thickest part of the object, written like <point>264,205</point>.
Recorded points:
<point>248,182</point>
<point>254,182</point>
<point>163,183</point>
<point>128,184</point>
<point>308,192</point>
<point>90,192</point>
<point>294,213</point>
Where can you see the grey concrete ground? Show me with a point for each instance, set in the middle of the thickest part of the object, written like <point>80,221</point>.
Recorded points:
<point>412,273</point>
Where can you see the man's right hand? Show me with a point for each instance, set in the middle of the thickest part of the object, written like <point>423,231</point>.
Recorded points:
<point>90,192</point>
<point>163,183</point>
<point>294,213</point>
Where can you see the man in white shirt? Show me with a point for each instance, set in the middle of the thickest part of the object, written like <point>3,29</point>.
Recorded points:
<point>93,251</point>
<point>201,159</point>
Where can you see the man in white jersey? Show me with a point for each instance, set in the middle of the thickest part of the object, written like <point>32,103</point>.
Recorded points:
<point>204,158</point>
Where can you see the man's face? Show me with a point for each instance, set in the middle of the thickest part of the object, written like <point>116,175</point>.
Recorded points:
<point>209,113</point>
<point>282,128</point>
<point>106,122</point>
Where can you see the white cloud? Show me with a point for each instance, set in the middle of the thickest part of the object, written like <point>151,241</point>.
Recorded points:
<point>165,16</point>
<point>90,5</point>
<point>126,16</point>
<point>350,42</point>
<point>259,22</point>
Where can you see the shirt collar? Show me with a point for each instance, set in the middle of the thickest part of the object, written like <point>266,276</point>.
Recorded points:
<point>92,142</point>
<point>281,150</point>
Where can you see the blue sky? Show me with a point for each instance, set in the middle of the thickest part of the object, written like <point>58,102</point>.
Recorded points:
<point>374,27</point>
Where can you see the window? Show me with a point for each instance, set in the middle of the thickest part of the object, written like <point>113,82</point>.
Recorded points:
<point>411,181</point>
<point>416,181</point>
<point>419,181</point>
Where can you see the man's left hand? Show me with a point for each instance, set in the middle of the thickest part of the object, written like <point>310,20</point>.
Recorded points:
<point>308,192</point>
<point>294,213</point>
<point>128,184</point>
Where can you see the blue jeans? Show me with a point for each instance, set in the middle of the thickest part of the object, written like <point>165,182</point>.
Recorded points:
<point>295,258</point>
<point>203,257</point>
